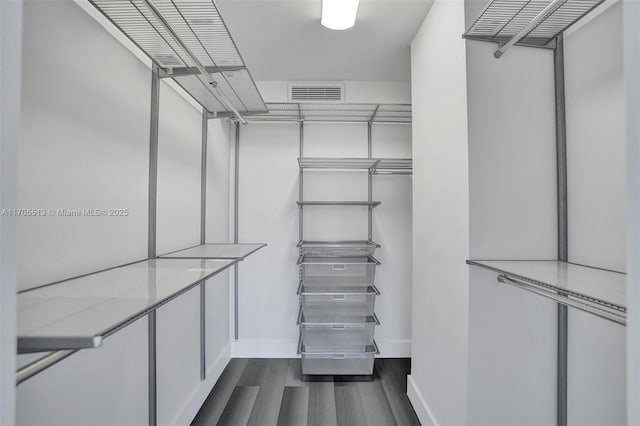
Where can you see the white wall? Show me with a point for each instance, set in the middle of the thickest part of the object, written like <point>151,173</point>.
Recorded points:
<point>268,213</point>
<point>218,180</point>
<point>179,173</point>
<point>392,229</point>
<point>631,25</point>
<point>438,381</point>
<point>10,63</point>
<point>86,144</point>
<point>85,138</point>
<point>595,130</point>
<point>105,386</point>
<point>354,92</point>
<point>512,184</point>
<point>596,206</point>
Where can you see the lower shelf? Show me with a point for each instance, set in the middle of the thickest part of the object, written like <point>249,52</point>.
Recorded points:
<point>344,362</point>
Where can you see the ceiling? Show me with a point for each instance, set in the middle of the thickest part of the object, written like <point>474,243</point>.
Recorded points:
<point>283,39</point>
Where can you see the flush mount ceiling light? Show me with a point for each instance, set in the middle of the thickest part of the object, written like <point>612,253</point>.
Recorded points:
<point>339,14</point>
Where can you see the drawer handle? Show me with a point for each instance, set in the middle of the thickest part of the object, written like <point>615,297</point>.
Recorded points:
<point>338,327</point>
<point>338,297</point>
<point>339,266</point>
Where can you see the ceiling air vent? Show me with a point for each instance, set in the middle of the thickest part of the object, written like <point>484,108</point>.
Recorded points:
<point>316,92</point>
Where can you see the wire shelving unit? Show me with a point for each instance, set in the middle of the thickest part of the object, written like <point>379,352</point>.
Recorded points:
<point>338,112</point>
<point>534,23</point>
<point>189,42</point>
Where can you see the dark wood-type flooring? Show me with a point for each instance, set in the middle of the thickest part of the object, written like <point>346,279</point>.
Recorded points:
<point>268,392</point>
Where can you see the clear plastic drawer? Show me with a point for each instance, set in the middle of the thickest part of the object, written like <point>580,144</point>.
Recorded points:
<point>338,300</point>
<point>351,271</point>
<point>328,362</point>
<point>347,332</point>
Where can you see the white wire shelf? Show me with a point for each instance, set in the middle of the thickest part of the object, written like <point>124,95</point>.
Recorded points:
<point>338,248</point>
<point>216,251</point>
<point>373,165</point>
<point>596,291</point>
<point>180,36</point>
<point>323,112</point>
<point>534,23</point>
<point>80,313</point>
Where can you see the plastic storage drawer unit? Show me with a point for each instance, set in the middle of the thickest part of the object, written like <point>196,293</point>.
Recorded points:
<point>337,248</point>
<point>342,301</point>
<point>326,362</point>
<point>348,332</point>
<point>348,271</point>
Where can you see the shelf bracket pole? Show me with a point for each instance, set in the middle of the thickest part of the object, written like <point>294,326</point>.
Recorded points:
<point>153,202</point>
<point>529,27</point>
<point>301,184</point>
<point>370,174</point>
<point>206,115</point>
<point>236,201</point>
<point>563,234</point>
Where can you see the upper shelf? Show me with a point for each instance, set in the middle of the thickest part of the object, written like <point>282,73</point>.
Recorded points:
<point>594,290</point>
<point>184,38</point>
<point>374,165</point>
<point>216,251</point>
<point>79,313</point>
<point>324,112</point>
<point>527,22</point>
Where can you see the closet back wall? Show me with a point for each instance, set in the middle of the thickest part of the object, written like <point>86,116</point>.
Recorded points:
<point>268,212</point>
<point>85,144</point>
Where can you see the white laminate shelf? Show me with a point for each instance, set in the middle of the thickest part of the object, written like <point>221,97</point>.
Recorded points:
<point>593,290</point>
<point>80,313</point>
<point>216,251</point>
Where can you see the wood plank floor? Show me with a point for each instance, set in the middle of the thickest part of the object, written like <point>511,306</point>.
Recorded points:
<point>267,392</point>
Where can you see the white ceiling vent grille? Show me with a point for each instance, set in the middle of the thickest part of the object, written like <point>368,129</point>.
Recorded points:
<point>316,92</point>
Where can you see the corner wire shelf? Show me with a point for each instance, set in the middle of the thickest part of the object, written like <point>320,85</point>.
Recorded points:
<point>324,112</point>
<point>190,43</point>
<point>533,23</point>
<point>373,165</point>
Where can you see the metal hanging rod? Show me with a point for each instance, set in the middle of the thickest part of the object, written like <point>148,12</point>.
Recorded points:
<point>41,364</point>
<point>204,75</point>
<point>529,27</point>
<point>532,23</point>
<point>618,318</point>
<point>184,71</point>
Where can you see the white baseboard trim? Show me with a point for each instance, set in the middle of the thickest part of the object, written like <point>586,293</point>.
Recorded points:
<point>420,406</point>
<point>289,349</point>
<point>214,372</point>
<point>394,348</point>
<point>264,349</point>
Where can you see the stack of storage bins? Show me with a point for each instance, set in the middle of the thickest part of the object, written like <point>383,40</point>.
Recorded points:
<point>337,301</point>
